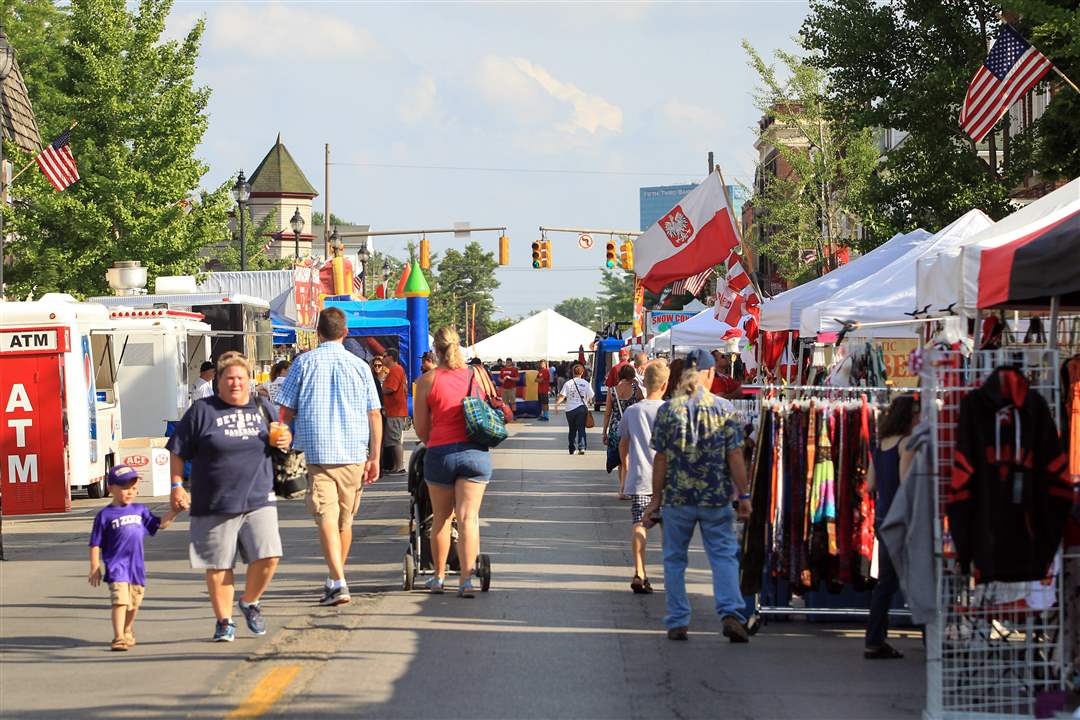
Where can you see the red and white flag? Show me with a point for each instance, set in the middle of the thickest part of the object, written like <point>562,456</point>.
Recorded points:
<point>57,163</point>
<point>692,285</point>
<point>729,306</point>
<point>696,234</point>
<point>736,275</point>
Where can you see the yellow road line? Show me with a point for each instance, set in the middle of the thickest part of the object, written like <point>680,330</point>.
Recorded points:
<point>266,693</point>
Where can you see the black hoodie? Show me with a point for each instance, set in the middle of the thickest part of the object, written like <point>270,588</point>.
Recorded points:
<point>1008,501</point>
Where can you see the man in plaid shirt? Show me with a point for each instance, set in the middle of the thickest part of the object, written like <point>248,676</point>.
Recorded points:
<point>331,395</point>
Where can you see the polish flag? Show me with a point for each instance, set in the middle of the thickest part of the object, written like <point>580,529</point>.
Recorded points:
<point>729,306</point>
<point>736,275</point>
<point>696,234</point>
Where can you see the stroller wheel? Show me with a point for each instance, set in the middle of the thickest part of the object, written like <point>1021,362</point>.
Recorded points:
<point>408,572</point>
<point>483,569</point>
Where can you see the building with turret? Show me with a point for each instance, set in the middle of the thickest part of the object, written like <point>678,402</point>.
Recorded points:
<point>279,186</point>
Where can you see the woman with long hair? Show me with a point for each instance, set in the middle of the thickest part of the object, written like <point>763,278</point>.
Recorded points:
<point>625,393</point>
<point>890,461</point>
<point>577,393</point>
<point>456,470</point>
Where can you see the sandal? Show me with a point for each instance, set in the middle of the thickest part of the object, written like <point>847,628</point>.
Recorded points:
<point>885,652</point>
<point>640,585</point>
<point>119,645</point>
<point>129,638</point>
<point>465,589</point>
<point>435,585</point>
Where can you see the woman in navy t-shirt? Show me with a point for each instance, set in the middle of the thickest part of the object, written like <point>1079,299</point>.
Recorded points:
<point>226,438</point>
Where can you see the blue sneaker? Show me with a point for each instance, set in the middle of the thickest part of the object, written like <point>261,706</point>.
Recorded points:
<point>253,615</point>
<point>224,631</point>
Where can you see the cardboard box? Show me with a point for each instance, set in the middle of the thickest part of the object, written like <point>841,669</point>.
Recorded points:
<point>148,457</point>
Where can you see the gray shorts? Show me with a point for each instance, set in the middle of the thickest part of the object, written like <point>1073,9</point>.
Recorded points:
<point>394,428</point>
<point>216,538</point>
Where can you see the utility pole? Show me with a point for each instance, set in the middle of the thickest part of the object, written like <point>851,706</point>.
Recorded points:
<point>711,165</point>
<point>326,203</point>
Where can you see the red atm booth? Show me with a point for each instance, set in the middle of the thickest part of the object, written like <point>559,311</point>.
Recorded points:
<point>32,428</point>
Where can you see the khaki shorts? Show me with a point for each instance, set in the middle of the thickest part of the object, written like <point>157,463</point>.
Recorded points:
<point>127,594</point>
<point>334,492</point>
<point>509,396</point>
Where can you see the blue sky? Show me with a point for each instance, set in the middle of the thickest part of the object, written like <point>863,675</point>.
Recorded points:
<point>610,96</point>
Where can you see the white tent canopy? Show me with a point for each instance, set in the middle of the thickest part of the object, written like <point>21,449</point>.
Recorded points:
<point>951,277</point>
<point>784,311</point>
<point>888,295</point>
<point>546,335</point>
<point>701,331</point>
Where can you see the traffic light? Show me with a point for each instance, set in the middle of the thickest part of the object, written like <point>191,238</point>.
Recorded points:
<point>504,250</point>
<point>546,253</point>
<point>611,262</point>
<point>627,255</point>
<point>536,261</point>
<point>425,254</point>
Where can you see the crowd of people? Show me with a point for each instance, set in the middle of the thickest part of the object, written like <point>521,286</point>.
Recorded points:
<point>669,429</point>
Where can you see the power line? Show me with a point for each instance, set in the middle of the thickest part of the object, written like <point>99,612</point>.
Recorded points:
<point>543,171</point>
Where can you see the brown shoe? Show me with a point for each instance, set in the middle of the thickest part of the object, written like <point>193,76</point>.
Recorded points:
<point>735,630</point>
<point>119,645</point>
<point>677,633</point>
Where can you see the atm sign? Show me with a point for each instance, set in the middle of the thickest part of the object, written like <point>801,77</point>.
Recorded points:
<point>33,341</point>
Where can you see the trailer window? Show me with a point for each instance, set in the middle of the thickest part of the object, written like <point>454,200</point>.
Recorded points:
<point>138,354</point>
<point>101,347</point>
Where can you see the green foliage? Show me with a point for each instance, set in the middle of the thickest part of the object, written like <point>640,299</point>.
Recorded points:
<point>616,297</point>
<point>37,29</point>
<point>581,310</point>
<point>906,66</point>
<point>807,213</point>
<point>227,257</point>
<point>140,120</point>
<point>459,277</point>
<point>317,219</point>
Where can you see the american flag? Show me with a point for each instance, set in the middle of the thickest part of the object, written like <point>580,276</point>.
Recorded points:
<point>57,162</point>
<point>357,284</point>
<point>692,285</point>
<point>1010,70</point>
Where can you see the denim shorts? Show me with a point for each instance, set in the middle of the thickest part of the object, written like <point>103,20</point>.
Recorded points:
<point>444,464</point>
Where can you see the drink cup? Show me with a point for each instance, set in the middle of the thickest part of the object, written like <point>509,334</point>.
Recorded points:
<point>278,430</point>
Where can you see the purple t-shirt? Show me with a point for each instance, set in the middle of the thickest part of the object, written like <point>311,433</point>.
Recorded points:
<point>119,531</point>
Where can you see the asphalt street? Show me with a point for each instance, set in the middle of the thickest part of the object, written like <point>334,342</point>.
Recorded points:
<point>559,635</point>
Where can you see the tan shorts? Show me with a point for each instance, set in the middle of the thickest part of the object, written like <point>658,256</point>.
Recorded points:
<point>509,396</point>
<point>127,594</point>
<point>334,492</point>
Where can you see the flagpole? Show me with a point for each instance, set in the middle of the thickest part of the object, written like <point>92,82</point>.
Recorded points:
<point>738,233</point>
<point>29,164</point>
<point>1065,77</point>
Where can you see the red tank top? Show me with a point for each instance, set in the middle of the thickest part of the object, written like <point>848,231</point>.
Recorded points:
<point>448,389</point>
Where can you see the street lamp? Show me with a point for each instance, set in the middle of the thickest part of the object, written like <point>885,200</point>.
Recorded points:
<point>7,62</point>
<point>365,257</point>
<point>241,191</point>
<point>297,224</point>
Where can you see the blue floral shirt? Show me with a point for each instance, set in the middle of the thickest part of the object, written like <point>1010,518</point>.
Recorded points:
<point>696,434</point>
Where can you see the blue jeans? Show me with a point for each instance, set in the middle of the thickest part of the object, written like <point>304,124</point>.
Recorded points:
<point>718,535</point>
<point>575,419</point>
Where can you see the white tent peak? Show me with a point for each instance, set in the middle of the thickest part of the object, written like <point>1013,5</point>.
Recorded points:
<point>547,335</point>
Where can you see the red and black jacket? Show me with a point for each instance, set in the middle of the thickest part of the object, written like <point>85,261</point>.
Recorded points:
<point>1010,493</point>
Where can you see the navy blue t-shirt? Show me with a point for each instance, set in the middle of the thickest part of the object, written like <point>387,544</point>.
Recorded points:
<point>119,531</point>
<point>231,467</point>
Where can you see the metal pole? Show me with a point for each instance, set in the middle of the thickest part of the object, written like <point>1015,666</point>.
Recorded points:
<point>589,231</point>
<point>326,203</point>
<point>423,231</point>
<point>1055,309</point>
<point>243,242</point>
<point>296,245</point>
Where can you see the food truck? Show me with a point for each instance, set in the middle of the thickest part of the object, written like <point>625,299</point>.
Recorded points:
<point>59,419</point>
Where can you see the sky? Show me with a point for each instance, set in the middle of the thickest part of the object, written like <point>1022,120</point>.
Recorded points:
<point>497,114</point>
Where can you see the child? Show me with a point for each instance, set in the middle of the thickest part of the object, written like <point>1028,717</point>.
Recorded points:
<point>543,388</point>
<point>117,539</point>
<point>635,448</point>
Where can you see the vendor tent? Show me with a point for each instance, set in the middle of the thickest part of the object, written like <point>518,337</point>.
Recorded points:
<point>783,312</point>
<point>701,331</point>
<point>888,294</point>
<point>545,335</point>
<point>950,279</point>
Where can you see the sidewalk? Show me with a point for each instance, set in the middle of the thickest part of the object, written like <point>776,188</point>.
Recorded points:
<point>559,635</point>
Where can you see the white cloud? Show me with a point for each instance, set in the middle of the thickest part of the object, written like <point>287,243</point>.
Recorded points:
<point>418,101</point>
<point>678,112</point>
<point>278,30</point>
<point>526,88</point>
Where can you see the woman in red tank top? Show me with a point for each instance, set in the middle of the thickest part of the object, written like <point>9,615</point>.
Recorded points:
<point>456,471</point>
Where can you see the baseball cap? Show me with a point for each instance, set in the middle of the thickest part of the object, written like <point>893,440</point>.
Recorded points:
<point>700,359</point>
<point>121,475</point>
<point>207,365</point>
<point>476,361</point>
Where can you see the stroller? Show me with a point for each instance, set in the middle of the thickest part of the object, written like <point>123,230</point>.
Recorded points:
<point>417,559</point>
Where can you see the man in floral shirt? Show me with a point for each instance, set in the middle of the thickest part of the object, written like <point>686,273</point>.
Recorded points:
<point>698,473</point>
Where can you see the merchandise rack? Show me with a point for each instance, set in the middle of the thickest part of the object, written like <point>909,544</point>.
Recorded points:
<point>989,654</point>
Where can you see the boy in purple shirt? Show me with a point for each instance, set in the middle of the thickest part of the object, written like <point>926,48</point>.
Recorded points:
<point>117,540</point>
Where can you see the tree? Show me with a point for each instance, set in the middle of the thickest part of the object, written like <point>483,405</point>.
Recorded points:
<point>461,277</point>
<point>616,298</point>
<point>915,82</point>
<point>38,30</point>
<point>806,213</point>
<point>581,310</point>
<point>317,219</point>
<point>140,120</point>
<point>227,257</point>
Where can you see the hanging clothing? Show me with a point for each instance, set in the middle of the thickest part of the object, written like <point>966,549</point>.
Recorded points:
<point>1010,492</point>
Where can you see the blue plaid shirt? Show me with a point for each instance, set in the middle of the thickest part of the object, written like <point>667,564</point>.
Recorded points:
<point>331,391</point>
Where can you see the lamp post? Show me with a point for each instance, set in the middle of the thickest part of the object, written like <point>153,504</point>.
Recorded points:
<point>241,191</point>
<point>297,224</point>
<point>365,257</point>
<point>7,62</point>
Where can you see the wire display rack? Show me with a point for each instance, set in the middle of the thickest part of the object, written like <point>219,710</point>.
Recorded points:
<point>994,648</point>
